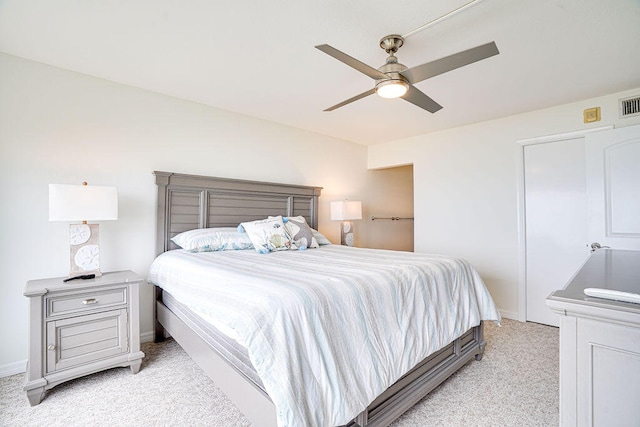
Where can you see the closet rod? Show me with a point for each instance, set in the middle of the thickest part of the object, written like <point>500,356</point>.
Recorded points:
<point>393,218</point>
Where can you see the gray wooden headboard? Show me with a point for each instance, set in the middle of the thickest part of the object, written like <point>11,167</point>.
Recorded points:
<point>186,202</point>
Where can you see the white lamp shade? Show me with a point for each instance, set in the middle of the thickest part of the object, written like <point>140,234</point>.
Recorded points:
<point>82,203</point>
<point>346,210</point>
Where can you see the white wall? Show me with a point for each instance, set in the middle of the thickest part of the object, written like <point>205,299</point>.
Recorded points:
<point>465,185</point>
<point>62,127</point>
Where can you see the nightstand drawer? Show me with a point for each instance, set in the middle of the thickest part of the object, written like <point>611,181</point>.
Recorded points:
<point>79,340</point>
<point>79,302</point>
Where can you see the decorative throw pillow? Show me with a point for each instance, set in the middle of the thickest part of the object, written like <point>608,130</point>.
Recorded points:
<point>300,233</point>
<point>212,239</point>
<point>268,235</point>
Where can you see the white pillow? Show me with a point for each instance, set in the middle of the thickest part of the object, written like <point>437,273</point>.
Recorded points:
<point>212,239</point>
<point>268,235</point>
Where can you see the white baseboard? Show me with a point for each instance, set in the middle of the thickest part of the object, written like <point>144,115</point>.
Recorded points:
<point>509,314</point>
<point>13,369</point>
<point>147,336</point>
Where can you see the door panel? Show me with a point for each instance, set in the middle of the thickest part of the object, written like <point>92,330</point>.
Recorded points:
<point>555,206</point>
<point>613,185</point>
<point>76,341</point>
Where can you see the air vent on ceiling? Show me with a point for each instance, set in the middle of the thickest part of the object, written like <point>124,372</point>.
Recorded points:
<point>629,107</point>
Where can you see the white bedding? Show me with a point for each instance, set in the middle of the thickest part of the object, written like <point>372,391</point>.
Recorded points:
<point>329,329</point>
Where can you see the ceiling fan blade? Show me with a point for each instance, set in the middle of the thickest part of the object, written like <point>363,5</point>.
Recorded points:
<point>448,63</point>
<point>352,62</point>
<point>416,97</point>
<point>350,100</point>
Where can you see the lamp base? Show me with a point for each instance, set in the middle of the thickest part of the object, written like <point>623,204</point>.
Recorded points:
<point>346,233</point>
<point>84,250</point>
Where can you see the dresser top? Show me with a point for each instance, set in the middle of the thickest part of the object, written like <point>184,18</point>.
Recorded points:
<point>606,269</point>
<point>43,286</point>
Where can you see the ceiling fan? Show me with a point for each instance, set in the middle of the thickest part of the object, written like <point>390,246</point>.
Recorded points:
<point>395,80</point>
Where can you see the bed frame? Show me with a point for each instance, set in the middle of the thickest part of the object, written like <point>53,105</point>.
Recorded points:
<point>187,202</point>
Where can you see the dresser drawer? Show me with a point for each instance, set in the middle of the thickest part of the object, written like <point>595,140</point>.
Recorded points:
<point>83,301</point>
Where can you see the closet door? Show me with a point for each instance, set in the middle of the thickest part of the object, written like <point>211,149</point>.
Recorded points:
<point>556,221</point>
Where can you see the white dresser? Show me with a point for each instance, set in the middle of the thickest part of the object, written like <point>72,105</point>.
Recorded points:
<point>81,327</point>
<point>600,343</point>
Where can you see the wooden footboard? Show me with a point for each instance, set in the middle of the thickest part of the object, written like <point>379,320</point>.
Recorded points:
<point>426,376</point>
<point>255,404</point>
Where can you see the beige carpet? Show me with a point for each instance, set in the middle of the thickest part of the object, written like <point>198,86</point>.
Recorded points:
<point>516,384</point>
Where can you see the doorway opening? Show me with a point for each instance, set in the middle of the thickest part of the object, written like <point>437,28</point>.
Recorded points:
<point>391,201</point>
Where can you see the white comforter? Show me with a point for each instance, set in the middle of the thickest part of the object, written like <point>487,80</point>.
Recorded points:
<point>329,329</point>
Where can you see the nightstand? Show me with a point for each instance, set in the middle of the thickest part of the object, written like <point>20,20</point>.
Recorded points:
<point>81,327</point>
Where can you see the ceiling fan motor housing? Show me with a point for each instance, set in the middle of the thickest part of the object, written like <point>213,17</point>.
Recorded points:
<point>392,69</point>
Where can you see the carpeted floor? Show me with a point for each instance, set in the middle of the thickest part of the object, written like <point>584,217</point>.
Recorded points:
<point>515,384</point>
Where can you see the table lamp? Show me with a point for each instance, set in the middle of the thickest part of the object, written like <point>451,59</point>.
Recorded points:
<point>345,211</point>
<point>83,203</point>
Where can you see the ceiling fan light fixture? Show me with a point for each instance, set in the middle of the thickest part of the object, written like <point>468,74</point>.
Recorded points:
<point>392,88</point>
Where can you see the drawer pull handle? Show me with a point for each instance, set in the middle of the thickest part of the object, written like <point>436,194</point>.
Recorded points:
<point>90,301</point>
<point>51,347</point>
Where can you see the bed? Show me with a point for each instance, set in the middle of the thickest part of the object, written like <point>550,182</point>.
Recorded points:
<point>187,202</point>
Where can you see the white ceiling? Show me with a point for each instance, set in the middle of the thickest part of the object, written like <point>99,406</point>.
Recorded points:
<point>258,57</point>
